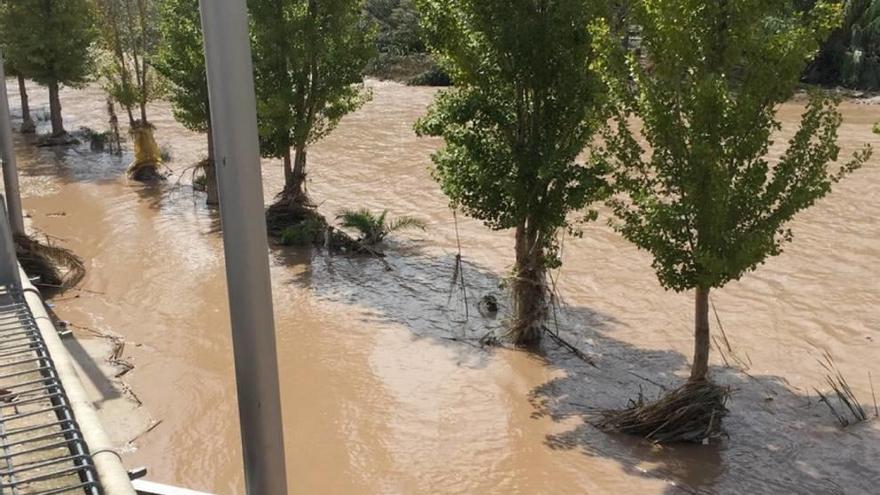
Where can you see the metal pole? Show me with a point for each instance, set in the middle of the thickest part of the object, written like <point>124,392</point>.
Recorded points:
<point>8,261</point>
<point>10,171</point>
<point>237,158</point>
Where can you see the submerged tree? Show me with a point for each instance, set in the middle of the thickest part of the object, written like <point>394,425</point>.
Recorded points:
<point>704,198</point>
<point>180,59</point>
<point>309,60</point>
<point>130,38</point>
<point>50,43</point>
<point>27,121</point>
<point>526,105</point>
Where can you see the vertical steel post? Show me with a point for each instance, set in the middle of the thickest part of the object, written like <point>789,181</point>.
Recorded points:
<point>9,274</point>
<point>10,171</point>
<point>237,158</point>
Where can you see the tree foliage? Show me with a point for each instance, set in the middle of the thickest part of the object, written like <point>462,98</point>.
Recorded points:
<point>49,41</point>
<point>397,21</point>
<point>704,198</point>
<point>309,57</point>
<point>527,102</point>
<point>130,38</point>
<point>180,59</point>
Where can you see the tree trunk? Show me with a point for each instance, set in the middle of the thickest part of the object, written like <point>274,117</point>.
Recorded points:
<point>211,171</point>
<point>700,368</point>
<point>288,171</point>
<point>27,123</point>
<point>295,178</point>
<point>143,113</point>
<point>55,110</point>
<point>529,289</point>
<point>299,173</point>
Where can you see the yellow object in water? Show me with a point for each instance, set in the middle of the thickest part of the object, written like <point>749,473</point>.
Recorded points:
<point>146,150</point>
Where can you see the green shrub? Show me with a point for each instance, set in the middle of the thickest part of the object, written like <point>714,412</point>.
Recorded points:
<point>309,231</point>
<point>434,76</point>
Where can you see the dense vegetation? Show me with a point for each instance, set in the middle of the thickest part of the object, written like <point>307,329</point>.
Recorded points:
<point>851,55</point>
<point>401,52</point>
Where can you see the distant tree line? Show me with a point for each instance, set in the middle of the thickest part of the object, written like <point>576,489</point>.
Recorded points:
<point>401,51</point>
<point>851,56</point>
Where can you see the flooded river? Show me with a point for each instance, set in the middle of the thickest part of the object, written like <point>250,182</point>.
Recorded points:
<point>384,387</point>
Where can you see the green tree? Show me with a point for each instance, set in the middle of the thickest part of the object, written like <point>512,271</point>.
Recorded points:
<point>50,42</point>
<point>130,39</point>
<point>851,55</point>
<point>861,66</point>
<point>180,59</point>
<point>703,197</point>
<point>309,59</point>
<point>527,103</point>
<point>399,31</point>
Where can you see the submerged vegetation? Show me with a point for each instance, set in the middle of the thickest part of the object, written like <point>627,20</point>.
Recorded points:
<point>372,228</point>
<point>691,413</point>
<point>538,129</point>
<point>848,409</point>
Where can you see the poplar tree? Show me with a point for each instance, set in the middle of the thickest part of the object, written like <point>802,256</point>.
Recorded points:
<point>526,105</point>
<point>702,194</point>
<point>130,38</point>
<point>309,61</point>
<point>50,42</point>
<point>180,59</point>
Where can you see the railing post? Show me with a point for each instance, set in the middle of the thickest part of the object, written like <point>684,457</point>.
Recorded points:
<point>9,274</point>
<point>237,160</point>
<point>10,171</point>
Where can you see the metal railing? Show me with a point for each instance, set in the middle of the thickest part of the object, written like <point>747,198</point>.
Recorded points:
<point>42,450</point>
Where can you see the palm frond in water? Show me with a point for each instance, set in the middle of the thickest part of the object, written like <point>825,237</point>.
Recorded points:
<point>373,228</point>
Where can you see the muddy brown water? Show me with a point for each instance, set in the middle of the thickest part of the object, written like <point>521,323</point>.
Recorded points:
<point>383,391</point>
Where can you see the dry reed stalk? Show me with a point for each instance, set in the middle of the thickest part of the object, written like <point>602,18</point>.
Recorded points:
<point>691,413</point>
<point>843,392</point>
